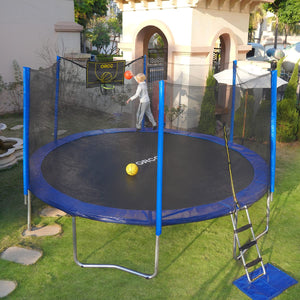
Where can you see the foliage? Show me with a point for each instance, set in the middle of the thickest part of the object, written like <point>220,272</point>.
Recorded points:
<point>2,84</point>
<point>291,89</point>
<point>15,88</point>
<point>103,33</point>
<point>173,113</point>
<point>207,122</point>
<point>103,57</point>
<point>256,17</point>
<point>287,113</point>
<point>289,12</point>
<point>86,9</point>
<point>279,66</point>
<point>287,15</point>
<point>158,41</point>
<point>273,7</point>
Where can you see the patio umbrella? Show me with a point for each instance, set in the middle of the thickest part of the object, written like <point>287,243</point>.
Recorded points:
<point>247,77</point>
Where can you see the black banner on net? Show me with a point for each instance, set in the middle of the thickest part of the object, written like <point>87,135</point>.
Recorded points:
<point>111,72</point>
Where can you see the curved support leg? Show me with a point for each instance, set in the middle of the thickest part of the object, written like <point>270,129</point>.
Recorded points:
<point>83,265</point>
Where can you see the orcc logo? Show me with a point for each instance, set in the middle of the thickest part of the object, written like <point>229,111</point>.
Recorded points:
<point>146,161</point>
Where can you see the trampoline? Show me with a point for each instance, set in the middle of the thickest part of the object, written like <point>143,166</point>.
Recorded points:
<point>185,174</point>
<point>84,175</point>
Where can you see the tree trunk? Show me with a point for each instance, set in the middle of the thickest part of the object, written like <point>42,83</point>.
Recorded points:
<point>285,35</point>
<point>260,30</point>
<point>276,33</point>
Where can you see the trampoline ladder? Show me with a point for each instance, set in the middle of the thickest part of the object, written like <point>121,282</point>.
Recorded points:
<point>243,248</point>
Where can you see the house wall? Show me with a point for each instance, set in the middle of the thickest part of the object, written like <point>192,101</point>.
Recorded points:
<point>34,32</point>
<point>191,33</point>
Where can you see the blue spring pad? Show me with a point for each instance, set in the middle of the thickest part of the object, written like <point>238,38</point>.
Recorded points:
<point>267,286</point>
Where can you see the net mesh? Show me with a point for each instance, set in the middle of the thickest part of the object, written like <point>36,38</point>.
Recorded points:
<point>193,104</point>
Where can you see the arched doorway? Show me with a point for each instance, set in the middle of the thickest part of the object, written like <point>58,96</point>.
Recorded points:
<point>220,62</point>
<point>221,53</point>
<point>152,42</point>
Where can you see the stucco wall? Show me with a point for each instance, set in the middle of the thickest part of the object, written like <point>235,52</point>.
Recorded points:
<point>28,35</point>
<point>187,28</point>
<point>191,33</point>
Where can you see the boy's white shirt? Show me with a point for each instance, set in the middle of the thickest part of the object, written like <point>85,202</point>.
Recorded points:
<point>141,92</point>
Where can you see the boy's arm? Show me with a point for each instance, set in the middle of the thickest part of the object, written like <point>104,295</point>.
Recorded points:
<point>137,93</point>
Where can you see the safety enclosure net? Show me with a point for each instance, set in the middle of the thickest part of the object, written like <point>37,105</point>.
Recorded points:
<point>81,139</point>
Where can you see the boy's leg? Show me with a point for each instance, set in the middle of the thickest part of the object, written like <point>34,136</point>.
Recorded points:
<point>140,115</point>
<point>149,115</point>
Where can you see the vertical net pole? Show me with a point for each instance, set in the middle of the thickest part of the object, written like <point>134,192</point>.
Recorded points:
<point>233,100</point>
<point>26,108</point>
<point>26,117</point>
<point>160,148</point>
<point>56,98</point>
<point>273,129</point>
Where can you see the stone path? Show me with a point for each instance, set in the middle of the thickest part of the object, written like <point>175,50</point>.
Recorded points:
<point>27,256</point>
<point>43,231</point>
<point>22,256</point>
<point>6,287</point>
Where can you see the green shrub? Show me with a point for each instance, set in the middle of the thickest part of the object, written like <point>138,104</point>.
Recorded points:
<point>104,57</point>
<point>207,122</point>
<point>279,66</point>
<point>287,121</point>
<point>287,113</point>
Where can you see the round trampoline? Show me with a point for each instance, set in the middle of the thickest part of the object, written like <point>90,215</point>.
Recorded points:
<point>84,175</point>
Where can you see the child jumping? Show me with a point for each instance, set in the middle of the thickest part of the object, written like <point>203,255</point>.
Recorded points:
<point>144,106</point>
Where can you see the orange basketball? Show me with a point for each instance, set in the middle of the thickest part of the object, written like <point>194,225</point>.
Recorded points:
<point>128,75</point>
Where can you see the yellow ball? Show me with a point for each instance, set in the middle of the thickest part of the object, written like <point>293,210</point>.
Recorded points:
<point>132,169</point>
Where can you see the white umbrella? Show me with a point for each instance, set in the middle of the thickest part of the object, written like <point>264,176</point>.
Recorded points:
<point>248,77</point>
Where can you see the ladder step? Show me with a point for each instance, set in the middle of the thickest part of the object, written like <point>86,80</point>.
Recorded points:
<point>243,228</point>
<point>248,245</point>
<point>254,262</point>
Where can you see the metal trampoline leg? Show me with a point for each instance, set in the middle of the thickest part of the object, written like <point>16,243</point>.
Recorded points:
<point>269,199</point>
<point>28,203</point>
<point>83,265</point>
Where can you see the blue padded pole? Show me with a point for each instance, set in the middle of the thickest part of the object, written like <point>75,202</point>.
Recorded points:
<point>233,101</point>
<point>56,97</point>
<point>26,115</point>
<point>273,129</point>
<point>160,151</point>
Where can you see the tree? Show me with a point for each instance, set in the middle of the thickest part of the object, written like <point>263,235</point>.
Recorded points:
<point>207,122</point>
<point>85,10</point>
<point>257,17</point>
<point>103,32</point>
<point>274,7</point>
<point>287,14</point>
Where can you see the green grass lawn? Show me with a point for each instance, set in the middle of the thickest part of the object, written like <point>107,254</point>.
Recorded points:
<point>195,259</point>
